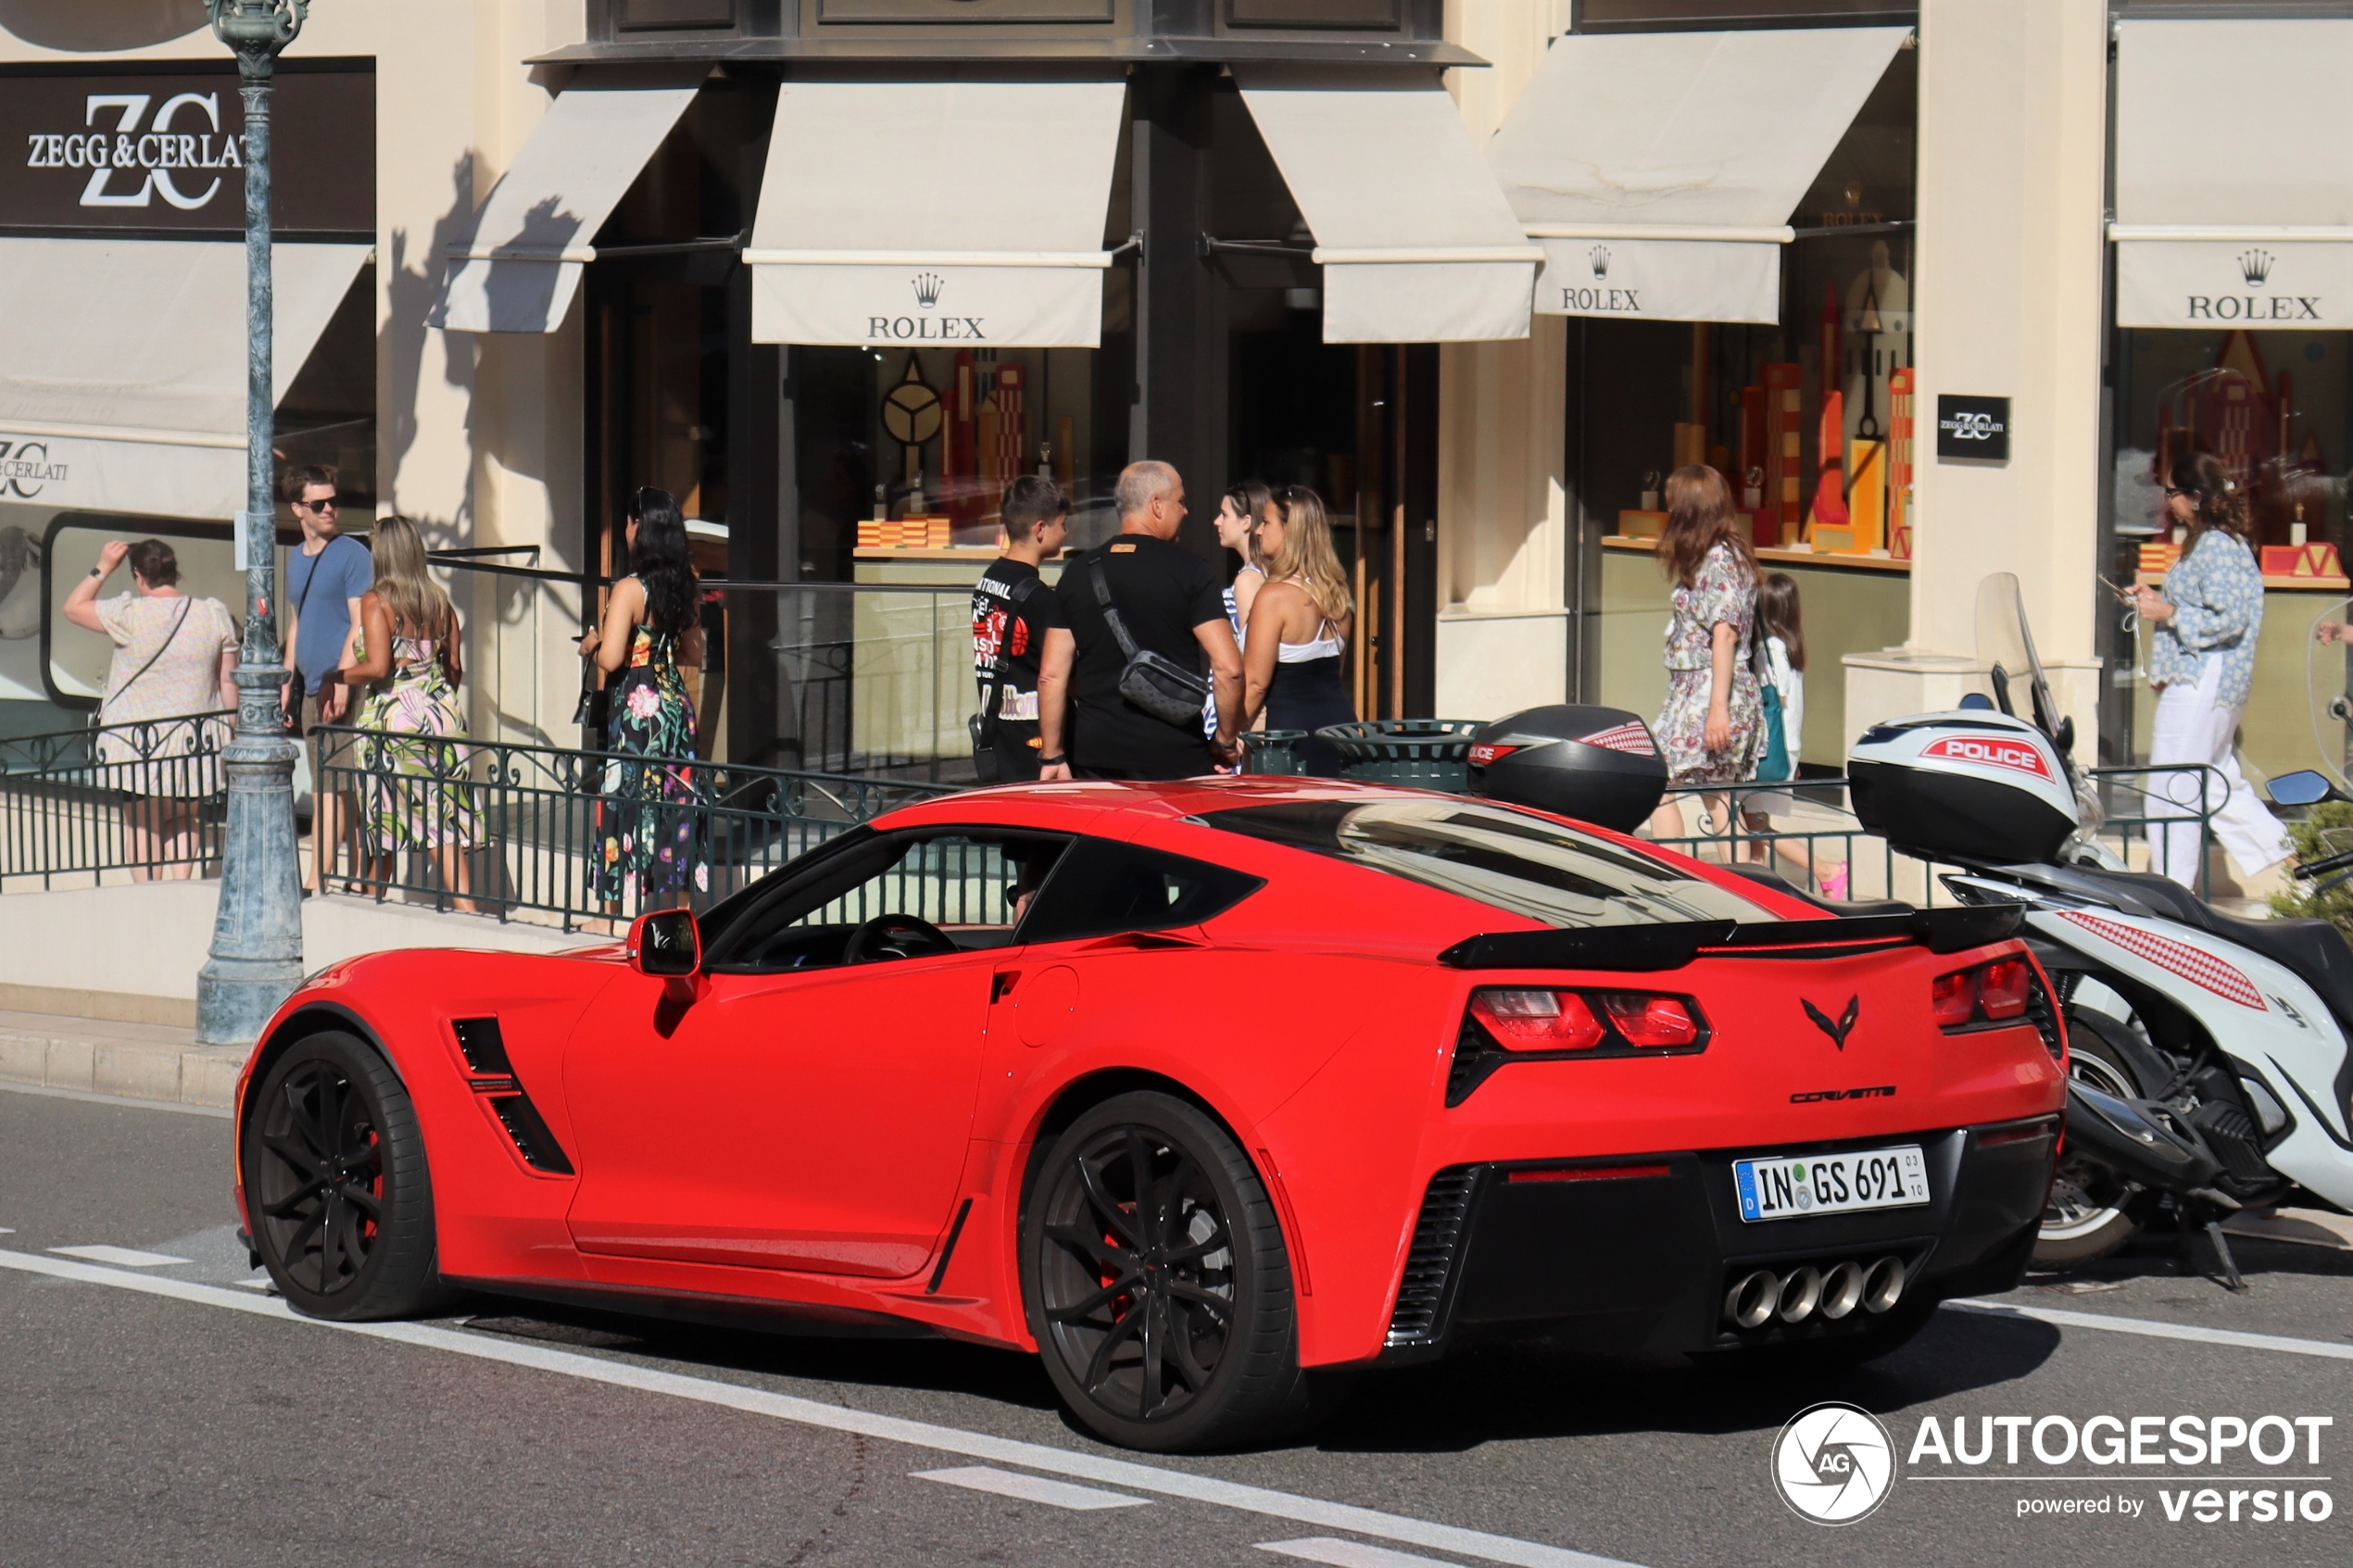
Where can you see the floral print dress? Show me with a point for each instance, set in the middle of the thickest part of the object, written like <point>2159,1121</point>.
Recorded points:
<point>1722,593</point>
<point>646,853</point>
<point>405,799</point>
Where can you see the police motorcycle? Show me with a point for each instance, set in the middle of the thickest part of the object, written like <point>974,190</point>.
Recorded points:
<point>2208,1064</point>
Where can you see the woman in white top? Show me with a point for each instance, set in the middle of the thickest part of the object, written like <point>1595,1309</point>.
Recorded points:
<point>1239,511</point>
<point>1299,626</point>
<point>1781,623</point>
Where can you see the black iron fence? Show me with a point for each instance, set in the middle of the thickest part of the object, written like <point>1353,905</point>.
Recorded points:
<point>579,835</point>
<point>138,797</point>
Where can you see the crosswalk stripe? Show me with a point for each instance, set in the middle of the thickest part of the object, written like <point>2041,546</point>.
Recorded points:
<point>1029,1489</point>
<point>1351,1554</point>
<point>120,1257</point>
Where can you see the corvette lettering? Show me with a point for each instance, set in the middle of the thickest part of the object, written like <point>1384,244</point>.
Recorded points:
<point>2019,756</point>
<point>1815,1097</point>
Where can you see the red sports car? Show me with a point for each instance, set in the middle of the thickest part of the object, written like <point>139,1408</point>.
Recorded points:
<point>1193,1089</point>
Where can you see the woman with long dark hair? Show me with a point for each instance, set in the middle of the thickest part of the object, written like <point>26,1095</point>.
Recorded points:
<point>645,850</point>
<point>1708,727</point>
<point>2203,629</point>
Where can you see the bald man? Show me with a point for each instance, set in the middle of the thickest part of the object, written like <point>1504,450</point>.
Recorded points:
<point>1171,602</point>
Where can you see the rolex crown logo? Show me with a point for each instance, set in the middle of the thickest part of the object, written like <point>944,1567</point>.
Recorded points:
<point>2255,266</point>
<point>927,287</point>
<point>1599,258</point>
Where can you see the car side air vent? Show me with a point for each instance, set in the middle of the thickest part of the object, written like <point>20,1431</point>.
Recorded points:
<point>1430,1263</point>
<point>533,1139</point>
<point>1476,1056</point>
<point>485,1048</point>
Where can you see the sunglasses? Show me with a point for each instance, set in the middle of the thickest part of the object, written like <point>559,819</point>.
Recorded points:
<point>326,505</point>
<point>2173,490</point>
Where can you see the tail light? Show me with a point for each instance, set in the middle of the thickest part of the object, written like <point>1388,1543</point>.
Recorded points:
<point>1537,1020</point>
<point>2003,989</point>
<point>1650,1022</point>
<point>1953,998</point>
<point>1991,996</point>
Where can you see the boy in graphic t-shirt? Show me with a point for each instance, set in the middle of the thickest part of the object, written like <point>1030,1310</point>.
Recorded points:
<point>1015,612</point>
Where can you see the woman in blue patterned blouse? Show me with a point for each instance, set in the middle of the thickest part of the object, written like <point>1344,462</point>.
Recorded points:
<point>2203,630</point>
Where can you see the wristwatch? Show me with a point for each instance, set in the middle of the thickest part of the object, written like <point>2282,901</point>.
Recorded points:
<point>98,572</point>
<point>1053,761</point>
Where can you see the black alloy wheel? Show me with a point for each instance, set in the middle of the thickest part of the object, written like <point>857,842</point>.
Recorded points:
<point>1157,1282</point>
<point>2090,1211</point>
<point>335,1183</point>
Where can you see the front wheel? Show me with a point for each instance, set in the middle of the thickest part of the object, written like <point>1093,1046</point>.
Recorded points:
<point>335,1183</point>
<point>1157,1283</point>
<point>2090,1211</point>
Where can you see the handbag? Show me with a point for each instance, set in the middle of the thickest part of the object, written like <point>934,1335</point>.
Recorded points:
<point>1154,683</point>
<point>986,768</point>
<point>1774,766</point>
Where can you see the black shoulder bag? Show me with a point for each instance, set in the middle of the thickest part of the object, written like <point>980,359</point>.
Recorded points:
<point>983,724</point>
<point>1154,683</point>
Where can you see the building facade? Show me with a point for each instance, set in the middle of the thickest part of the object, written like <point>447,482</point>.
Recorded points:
<point>1480,272</point>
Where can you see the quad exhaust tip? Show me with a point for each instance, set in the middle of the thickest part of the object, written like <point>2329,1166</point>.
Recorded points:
<point>1806,1291</point>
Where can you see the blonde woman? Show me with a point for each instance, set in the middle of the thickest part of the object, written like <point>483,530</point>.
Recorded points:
<point>406,648</point>
<point>1299,627</point>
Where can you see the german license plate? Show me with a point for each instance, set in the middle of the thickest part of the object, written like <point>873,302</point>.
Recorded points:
<point>1831,1184</point>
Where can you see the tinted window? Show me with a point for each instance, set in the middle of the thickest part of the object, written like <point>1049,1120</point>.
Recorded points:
<point>973,885</point>
<point>1101,888</point>
<point>1505,859</point>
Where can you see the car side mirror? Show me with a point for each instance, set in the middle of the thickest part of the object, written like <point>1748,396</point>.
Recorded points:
<point>2306,787</point>
<point>667,944</point>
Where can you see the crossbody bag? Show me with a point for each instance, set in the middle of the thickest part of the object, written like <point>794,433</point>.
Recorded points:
<point>1153,682</point>
<point>983,724</point>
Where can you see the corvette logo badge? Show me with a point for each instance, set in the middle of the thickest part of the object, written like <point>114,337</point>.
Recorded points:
<point>1846,1024</point>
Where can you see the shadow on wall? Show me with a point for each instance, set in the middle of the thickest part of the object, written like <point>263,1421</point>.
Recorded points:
<point>412,291</point>
<point>118,24</point>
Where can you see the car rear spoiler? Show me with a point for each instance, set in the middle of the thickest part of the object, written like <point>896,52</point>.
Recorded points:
<point>1644,948</point>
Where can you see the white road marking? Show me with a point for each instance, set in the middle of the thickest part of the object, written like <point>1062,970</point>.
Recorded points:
<point>1350,1554</point>
<point>128,1103</point>
<point>2152,1328</point>
<point>120,1257</point>
<point>1029,1489</point>
<point>262,1284</point>
<point>1072,1462</point>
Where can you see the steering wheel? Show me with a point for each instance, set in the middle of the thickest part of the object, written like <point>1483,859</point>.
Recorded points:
<point>895,937</point>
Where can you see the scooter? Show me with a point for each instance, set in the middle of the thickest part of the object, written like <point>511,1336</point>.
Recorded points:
<point>2208,1061</point>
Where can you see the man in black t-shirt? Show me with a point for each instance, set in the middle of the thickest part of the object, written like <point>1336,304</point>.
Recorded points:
<point>1172,603</point>
<point>1015,613</point>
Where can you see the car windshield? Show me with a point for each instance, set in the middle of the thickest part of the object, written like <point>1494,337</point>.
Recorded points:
<point>1503,859</point>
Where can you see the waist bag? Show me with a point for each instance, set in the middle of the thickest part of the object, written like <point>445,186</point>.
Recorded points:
<point>1154,683</point>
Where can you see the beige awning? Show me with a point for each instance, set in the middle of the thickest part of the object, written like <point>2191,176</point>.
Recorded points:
<point>1659,170</point>
<point>519,269</point>
<point>935,212</point>
<point>1417,243</point>
<point>123,369</point>
<point>2235,174</point>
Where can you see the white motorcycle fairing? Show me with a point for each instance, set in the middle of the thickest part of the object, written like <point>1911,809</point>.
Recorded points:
<point>2262,1017</point>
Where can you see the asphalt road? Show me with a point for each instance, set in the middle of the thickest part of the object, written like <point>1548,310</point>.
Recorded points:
<point>168,1412</point>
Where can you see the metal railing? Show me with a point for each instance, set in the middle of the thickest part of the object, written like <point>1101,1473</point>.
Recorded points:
<point>144,798</point>
<point>509,829</point>
<point>1831,841</point>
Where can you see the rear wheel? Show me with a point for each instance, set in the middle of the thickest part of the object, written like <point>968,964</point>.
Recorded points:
<point>1157,1282</point>
<point>2089,1214</point>
<point>335,1183</point>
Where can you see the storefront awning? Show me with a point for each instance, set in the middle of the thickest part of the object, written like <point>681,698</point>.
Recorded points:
<point>1417,243</point>
<point>935,212</point>
<point>1659,170</point>
<point>2234,192</point>
<point>519,268</point>
<point>122,371</point>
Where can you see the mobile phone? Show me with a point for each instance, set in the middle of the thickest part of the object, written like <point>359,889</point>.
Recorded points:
<point>2117,589</point>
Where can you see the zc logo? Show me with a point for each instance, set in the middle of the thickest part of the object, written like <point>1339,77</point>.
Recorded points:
<point>152,151</point>
<point>2016,756</point>
<point>25,468</point>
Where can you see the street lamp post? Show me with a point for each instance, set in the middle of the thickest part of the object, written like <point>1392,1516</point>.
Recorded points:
<point>257,935</point>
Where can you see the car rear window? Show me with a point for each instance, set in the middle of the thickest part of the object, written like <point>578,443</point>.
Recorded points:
<point>1505,859</point>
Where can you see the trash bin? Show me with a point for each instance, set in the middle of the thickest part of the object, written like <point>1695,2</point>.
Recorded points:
<point>1425,753</point>
<point>1272,751</point>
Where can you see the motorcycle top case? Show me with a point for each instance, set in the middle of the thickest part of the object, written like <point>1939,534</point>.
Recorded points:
<point>1598,765</point>
<point>1978,785</point>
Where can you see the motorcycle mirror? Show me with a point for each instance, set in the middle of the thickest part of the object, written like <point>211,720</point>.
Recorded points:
<point>2065,738</point>
<point>2305,788</point>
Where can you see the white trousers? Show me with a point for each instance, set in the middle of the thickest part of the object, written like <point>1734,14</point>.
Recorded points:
<point>2193,726</point>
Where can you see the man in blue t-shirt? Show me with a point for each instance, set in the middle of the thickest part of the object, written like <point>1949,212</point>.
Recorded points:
<point>325,580</point>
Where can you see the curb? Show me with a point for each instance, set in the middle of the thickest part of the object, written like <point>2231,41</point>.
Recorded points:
<point>127,1061</point>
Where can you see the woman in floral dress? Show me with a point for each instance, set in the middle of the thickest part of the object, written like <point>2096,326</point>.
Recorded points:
<point>411,793</point>
<point>1712,719</point>
<point>645,851</point>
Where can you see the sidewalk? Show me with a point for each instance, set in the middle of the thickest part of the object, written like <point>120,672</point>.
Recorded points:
<point>133,1060</point>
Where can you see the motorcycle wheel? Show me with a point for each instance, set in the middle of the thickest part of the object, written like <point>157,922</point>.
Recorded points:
<point>2089,1214</point>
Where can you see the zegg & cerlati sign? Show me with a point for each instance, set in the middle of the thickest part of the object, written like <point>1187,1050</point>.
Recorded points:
<point>139,150</point>
<point>1972,428</point>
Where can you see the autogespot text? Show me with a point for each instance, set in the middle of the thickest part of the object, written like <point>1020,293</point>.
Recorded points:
<point>2201,1469</point>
